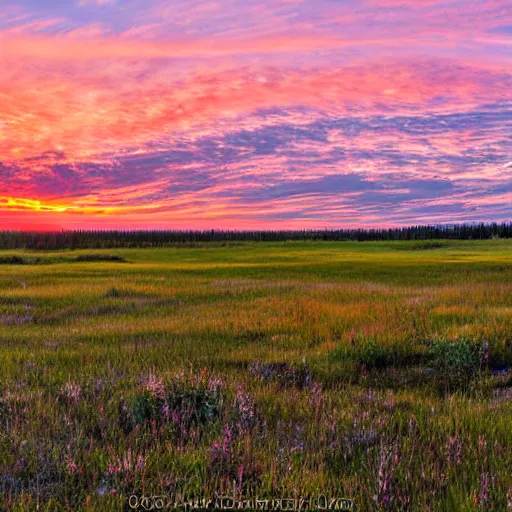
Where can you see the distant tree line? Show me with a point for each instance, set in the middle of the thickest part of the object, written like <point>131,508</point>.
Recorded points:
<point>89,239</point>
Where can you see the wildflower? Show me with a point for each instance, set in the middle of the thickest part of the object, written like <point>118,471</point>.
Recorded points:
<point>113,468</point>
<point>175,416</point>
<point>388,462</point>
<point>166,411</point>
<point>215,450</point>
<point>98,386</point>
<point>155,386</point>
<point>484,487</point>
<point>365,436</point>
<point>72,392</point>
<point>298,443</point>
<point>245,411</point>
<point>454,450</point>
<point>226,440</point>
<point>221,450</point>
<point>215,384</point>
<point>127,461</point>
<point>71,465</point>
<point>240,474</point>
<point>316,395</point>
<point>102,490</point>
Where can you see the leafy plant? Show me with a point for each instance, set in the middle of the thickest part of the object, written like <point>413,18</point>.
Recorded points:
<point>184,403</point>
<point>455,361</point>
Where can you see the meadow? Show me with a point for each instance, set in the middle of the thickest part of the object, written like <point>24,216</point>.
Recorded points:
<point>378,371</point>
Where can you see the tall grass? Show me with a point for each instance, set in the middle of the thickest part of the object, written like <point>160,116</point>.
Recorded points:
<point>362,370</point>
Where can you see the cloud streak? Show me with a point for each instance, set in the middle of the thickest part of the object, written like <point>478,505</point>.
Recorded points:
<point>228,114</point>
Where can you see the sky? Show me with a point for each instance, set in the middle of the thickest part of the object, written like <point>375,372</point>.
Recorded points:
<point>261,114</point>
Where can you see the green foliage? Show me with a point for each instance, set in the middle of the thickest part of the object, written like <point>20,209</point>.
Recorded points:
<point>200,405</point>
<point>186,403</point>
<point>455,361</point>
<point>16,259</point>
<point>99,257</point>
<point>140,409</point>
<point>372,355</point>
<point>12,260</point>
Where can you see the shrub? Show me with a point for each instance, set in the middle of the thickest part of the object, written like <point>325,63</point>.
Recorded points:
<point>12,260</point>
<point>142,408</point>
<point>183,402</point>
<point>98,257</point>
<point>373,355</point>
<point>455,361</point>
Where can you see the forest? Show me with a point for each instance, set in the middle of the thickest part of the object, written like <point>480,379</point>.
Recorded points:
<point>97,239</point>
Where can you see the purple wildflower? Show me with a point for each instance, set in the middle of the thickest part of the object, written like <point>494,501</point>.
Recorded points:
<point>155,386</point>
<point>484,487</point>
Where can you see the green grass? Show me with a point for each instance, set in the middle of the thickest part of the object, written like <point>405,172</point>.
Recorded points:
<point>376,371</point>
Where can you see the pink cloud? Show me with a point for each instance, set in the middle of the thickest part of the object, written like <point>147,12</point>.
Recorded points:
<point>117,93</point>
<point>62,48</point>
<point>85,117</point>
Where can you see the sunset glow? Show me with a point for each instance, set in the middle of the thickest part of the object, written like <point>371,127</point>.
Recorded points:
<point>265,114</point>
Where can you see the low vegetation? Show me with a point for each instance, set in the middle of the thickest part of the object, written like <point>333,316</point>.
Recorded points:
<point>376,371</point>
<point>38,260</point>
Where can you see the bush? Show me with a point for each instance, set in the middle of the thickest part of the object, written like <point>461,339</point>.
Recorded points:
<point>142,408</point>
<point>373,355</point>
<point>457,362</point>
<point>12,260</point>
<point>184,403</point>
<point>98,257</point>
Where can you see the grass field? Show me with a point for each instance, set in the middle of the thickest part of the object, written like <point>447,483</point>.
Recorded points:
<point>374,371</point>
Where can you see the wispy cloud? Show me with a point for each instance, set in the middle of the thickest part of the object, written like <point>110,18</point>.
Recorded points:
<point>266,114</point>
